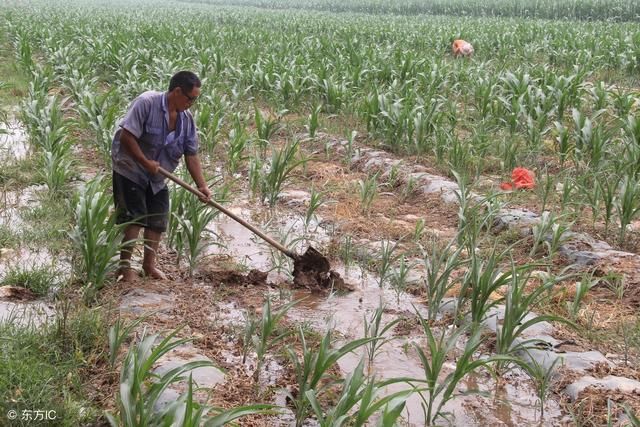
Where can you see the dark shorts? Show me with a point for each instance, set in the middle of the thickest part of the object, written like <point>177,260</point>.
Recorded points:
<point>139,205</point>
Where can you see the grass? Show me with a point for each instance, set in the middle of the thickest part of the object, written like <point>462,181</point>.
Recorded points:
<point>47,367</point>
<point>46,224</point>
<point>20,173</point>
<point>38,279</point>
<point>8,239</point>
<point>15,81</point>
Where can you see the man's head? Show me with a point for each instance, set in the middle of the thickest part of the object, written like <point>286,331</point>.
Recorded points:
<point>184,88</point>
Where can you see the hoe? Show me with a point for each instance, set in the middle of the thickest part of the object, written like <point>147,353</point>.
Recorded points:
<point>310,270</point>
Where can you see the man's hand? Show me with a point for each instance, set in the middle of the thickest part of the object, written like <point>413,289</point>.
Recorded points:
<point>206,192</point>
<point>152,167</point>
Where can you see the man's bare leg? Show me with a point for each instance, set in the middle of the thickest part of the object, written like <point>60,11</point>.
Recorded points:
<point>131,233</point>
<point>151,243</point>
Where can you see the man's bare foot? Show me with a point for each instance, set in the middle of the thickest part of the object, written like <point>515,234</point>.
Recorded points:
<point>154,273</point>
<point>128,274</point>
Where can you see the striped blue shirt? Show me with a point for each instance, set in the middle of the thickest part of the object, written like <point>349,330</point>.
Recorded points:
<point>148,120</point>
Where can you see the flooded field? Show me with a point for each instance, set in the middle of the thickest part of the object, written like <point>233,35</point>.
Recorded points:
<point>457,293</point>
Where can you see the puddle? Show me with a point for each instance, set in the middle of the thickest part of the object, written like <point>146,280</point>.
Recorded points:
<point>13,141</point>
<point>33,313</point>
<point>26,259</point>
<point>13,203</point>
<point>253,252</point>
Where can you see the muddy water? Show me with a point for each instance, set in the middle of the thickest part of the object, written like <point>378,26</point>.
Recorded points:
<point>13,142</point>
<point>514,404</point>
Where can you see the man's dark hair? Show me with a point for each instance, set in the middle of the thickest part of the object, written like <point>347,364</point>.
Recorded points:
<point>185,80</point>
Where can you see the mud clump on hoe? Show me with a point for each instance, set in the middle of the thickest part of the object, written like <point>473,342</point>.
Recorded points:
<point>312,271</point>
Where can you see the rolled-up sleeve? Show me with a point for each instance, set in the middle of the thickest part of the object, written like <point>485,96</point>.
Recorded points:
<point>191,138</point>
<point>134,119</point>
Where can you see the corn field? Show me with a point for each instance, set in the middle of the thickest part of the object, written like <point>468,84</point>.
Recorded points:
<point>295,96</point>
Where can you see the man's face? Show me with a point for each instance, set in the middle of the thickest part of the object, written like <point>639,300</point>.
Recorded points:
<point>187,99</point>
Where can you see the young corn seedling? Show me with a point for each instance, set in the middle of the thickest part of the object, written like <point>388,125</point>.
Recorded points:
<point>418,230</point>
<point>283,163</point>
<point>608,186</point>
<point>387,258</point>
<point>266,339</point>
<point>311,370</point>
<point>141,388</point>
<point>517,314</point>
<point>368,191</point>
<point>96,235</point>
<point>399,277</point>
<point>440,388</point>
<point>542,378</point>
<point>139,392</point>
<point>627,203</point>
<point>313,121</point>
<point>480,284</point>
<point>546,189</point>
<point>250,327</point>
<point>346,252</point>
<point>56,170</point>
<point>357,402</point>
<point>373,328</point>
<point>315,201</point>
<point>238,140</point>
<point>559,235</point>
<point>440,263</point>
<point>350,141</point>
<point>266,127</point>
<point>582,287</point>
<point>192,230</point>
<point>541,230</point>
<point>118,333</point>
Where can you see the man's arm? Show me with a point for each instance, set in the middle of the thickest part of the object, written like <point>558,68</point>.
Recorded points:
<point>130,144</point>
<point>195,170</point>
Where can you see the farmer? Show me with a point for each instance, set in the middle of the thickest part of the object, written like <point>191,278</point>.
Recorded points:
<point>156,132</point>
<point>461,48</point>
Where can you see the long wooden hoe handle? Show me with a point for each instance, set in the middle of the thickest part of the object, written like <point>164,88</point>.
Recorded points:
<point>230,214</point>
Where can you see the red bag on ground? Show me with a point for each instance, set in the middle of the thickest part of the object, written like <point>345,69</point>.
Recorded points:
<point>521,178</point>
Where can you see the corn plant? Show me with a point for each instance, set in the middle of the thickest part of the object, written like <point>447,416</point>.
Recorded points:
<point>542,378</point>
<point>368,191</point>
<point>95,235</point>
<point>350,147</point>
<point>190,236</point>
<point>265,339</point>
<point>440,388</point>
<point>238,140</point>
<point>357,402</point>
<point>313,121</point>
<point>283,163</point>
<point>387,258</point>
<point>483,278</point>
<point>373,328</point>
<point>56,170</point>
<point>311,370</point>
<point>315,202</point>
<point>518,306</point>
<point>627,203</point>
<point>265,127</point>
<point>582,287</point>
<point>548,231</point>
<point>399,276</point>
<point>140,389</point>
<point>138,393</point>
<point>118,333</point>
<point>418,230</point>
<point>439,265</point>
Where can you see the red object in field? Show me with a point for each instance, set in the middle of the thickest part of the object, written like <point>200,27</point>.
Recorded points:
<point>521,179</point>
